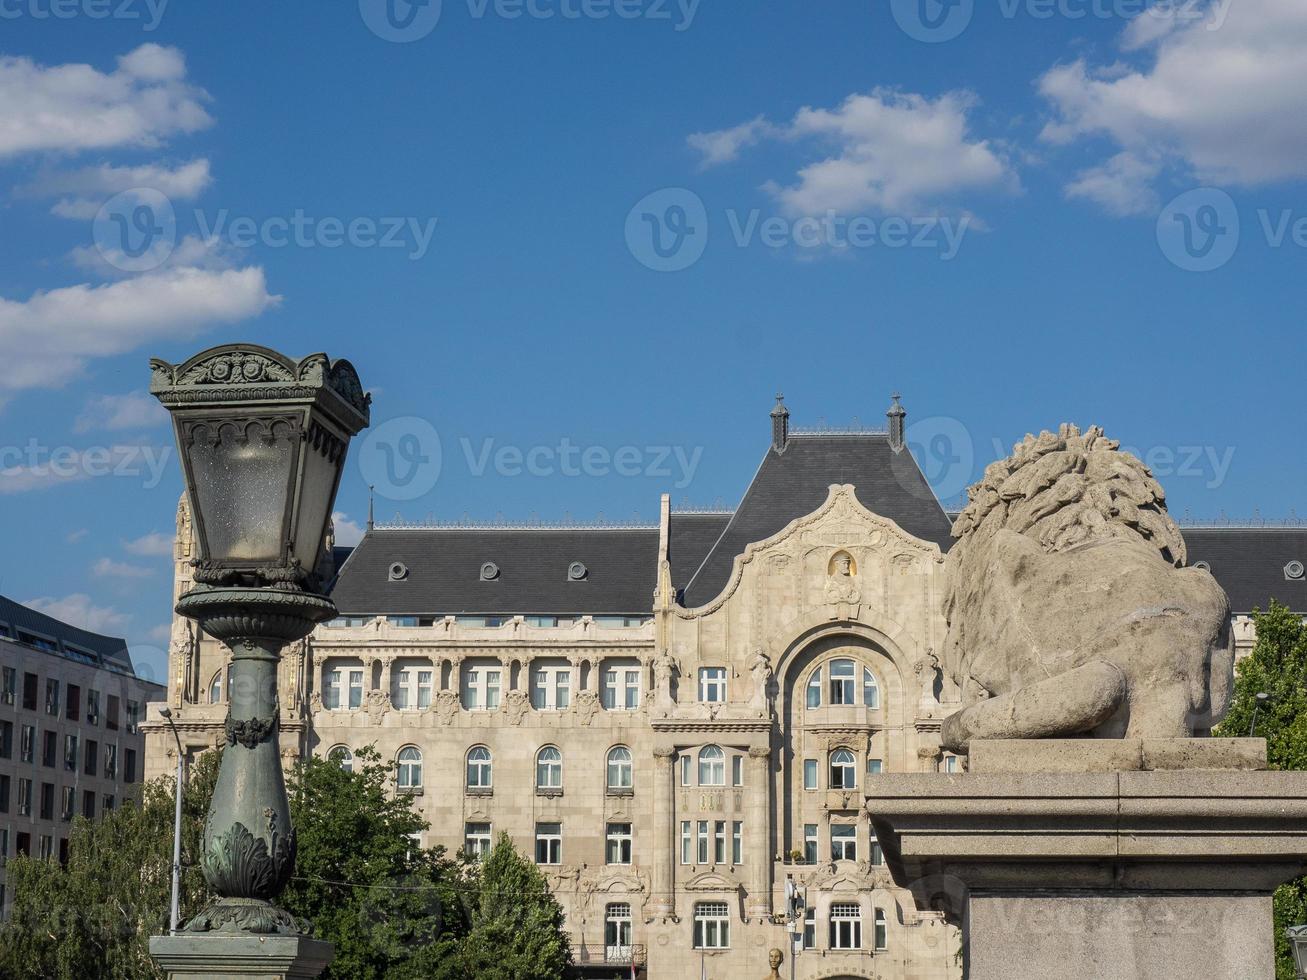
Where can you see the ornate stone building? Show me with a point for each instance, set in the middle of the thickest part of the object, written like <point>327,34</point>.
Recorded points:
<point>678,721</point>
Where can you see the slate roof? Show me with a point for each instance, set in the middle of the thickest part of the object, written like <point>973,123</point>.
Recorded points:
<point>444,572</point>
<point>795,482</point>
<point>1249,563</point>
<point>109,648</point>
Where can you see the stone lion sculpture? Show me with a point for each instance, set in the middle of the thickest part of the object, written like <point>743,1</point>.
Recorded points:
<point>1070,612</point>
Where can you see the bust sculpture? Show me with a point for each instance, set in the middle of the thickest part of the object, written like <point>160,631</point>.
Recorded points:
<point>774,960</point>
<point>1069,604</point>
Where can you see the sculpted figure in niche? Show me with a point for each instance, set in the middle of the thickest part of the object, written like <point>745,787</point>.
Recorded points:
<point>1069,604</point>
<point>760,668</point>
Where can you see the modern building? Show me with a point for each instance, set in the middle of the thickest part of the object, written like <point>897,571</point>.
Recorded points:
<point>70,740</point>
<point>679,721</point>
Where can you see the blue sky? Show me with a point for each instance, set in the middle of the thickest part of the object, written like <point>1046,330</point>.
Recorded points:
<point>1016,214</point>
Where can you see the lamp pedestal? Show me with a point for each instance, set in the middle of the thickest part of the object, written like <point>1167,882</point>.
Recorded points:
<point>1101,858</point>
<point>249,844</point>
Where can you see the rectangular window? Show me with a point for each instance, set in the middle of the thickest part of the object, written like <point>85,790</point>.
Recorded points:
<point>30,682</point>
<point>737,770</point>
<point>841,682</point>
<point>4,846</point>
<point>109,802</point>
<point>686,845</point>
<point>702,842</point>
<point>10,685</point>
<point>111,713</point>
<point>845,926</point>
<point>686,766</point>
<point>24,797</point>
<point>23,844</point>
<point>92,756</point>
<point>621,688</point>
<point>27,744</point>
<point>810,928</point>
<point>549,843</point>
<point>73,703</point>
<point>49,748</point>
<point>47,801</point>
<point>712,684</point>
<point>877,855</point>
<point>949,764</point>
<point>843,842</point>
<point>481,688</point>
<point>809,773</point>
<point>345,688</point>
<point>111,762</point>
<point>4,794</point>
<point>551,688</point>
<point>476,840</point>
<point>619,843</point>
<point>882,933</point>
<point>93,707</point>
<point>129,766</point>
<point>6,739</point>
<point>810,843</point>
<point>413,689</point>
<point>71,756</point>
<point>874,767</point>
<point>88,804</point>
<point>46,843</point>
<point>737,842</point>
<point>719,842</point>
<point>69,803</point>
<point>712,925</point>
<point>51,696</point>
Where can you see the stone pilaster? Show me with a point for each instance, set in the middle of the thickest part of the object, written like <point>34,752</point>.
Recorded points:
<point>662,901</point>
<point>758,862</point>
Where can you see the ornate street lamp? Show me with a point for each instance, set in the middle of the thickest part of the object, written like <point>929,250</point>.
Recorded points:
<point>262,440</point>
<point>1297,936</point>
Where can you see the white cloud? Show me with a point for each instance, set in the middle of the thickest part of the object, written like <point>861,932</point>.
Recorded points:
<point>108,568</point>
<point>1122,185</point>
<point>892,152</point>
<point>81,192</point>
<point>155,544</point>
<point>134,410</point>
<point>50,337</point>
<point>1223,97</point>
<point>74,107</point>
<point>79,610</point>
<point>72,537</point>
<point>348,533</point>
<point>160,635</point>
<point>724,145</point>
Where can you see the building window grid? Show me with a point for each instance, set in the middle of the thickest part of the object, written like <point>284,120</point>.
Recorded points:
<point>712,684</point>
<point>345,689</point>
<point>620,772</point>
<point>551,688</point>
<point>843,842</point>
<point>843,770</point>
<point>549,768</point>
<point>476,840</point>
<point>712,925</point>
<point>810,774</point>
<point>410,768</point>
<point>413,689</point>
<point>619,843</point>
<point>549,843</point>
<point>737,842</point>
<point>845,925</point>
<point>712,766</point>
<point>881,930</point>
<point>737,770</point>
<point>621,688</point>
<point>702,841</point>
<point>481,688</point>
<point>27,744</point>
<point>480,768</point>
<point>687,843</point>
<point>810,843</point>
<point>719,841</point>
<point>52,697</point>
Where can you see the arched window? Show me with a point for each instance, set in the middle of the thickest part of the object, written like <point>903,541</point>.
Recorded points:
<point>882,933</point>
<point>343,757</point>
<point>620,775</point>
<point>410,768</point>
<point>870,689</point>
<point>841,682</point>
<point>218,691</point>
<point>549,768</point>
<point>712,766</point>
<point>479,768</point>
<point>843,770</point>
<point>814,689</point>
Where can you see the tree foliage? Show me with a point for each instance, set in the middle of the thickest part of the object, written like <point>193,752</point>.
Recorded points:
<point>92,919</point>
<point>517,924</point>
<point>1277,667</point>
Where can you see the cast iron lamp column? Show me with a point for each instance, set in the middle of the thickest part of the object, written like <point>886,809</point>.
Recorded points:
<point>262,441</point>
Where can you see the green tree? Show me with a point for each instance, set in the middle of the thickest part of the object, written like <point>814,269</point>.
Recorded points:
<point>1277,667</point>
<point>92,918</point>
<point>517,924</point>
<point>391,908</point>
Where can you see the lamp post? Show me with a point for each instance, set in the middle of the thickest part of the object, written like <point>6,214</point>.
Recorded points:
<point>174,916</point>
<point>1297,936</point>
<point>1262,698</point>
<point>262,440</point>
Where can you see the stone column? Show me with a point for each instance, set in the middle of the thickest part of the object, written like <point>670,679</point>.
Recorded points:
<point>662,902</point>
<point>758,857</point>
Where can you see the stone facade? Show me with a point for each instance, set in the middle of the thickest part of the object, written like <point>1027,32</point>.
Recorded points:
<point>722,738</point>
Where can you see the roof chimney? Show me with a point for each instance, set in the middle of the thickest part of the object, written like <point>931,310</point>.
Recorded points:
<point>780,424</point>
<point>896,415</point>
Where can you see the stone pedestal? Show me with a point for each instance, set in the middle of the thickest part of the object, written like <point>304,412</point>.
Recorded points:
<point>1150,859</point>
<point>213,956</point>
